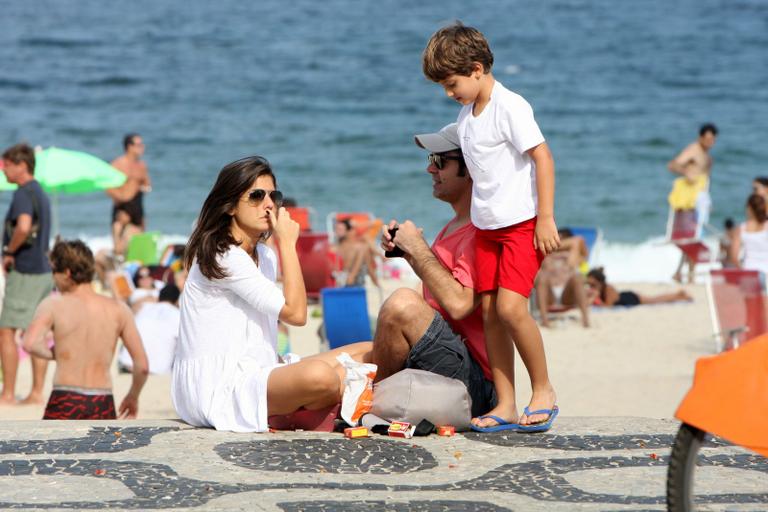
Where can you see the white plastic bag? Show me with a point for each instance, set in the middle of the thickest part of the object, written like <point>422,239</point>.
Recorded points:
<point>358,388</point>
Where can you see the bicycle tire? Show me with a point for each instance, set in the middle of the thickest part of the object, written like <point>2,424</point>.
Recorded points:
<point>682,466</point>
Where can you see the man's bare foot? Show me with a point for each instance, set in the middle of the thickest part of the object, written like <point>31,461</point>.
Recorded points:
<point>7,399</point>
<point>683,295</point>
<point>544,399</point>
<point>508,415</point>
<point>33,398</point>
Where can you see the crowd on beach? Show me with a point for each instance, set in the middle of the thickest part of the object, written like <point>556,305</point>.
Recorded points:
<point>212,315</point>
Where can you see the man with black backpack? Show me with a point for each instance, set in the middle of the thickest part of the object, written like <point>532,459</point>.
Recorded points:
<point>25,263</point>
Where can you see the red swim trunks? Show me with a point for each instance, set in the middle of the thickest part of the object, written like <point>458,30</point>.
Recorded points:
<point>506,258</point>
<point>67,404</point>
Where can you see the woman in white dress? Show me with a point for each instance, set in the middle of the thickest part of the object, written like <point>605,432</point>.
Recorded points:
<point>752,238</point>
<point>227,373</point>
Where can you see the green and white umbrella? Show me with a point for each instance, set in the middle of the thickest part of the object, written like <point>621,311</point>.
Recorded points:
<point>70,172</point>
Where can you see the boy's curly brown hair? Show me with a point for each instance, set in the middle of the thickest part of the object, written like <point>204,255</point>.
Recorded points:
<point>453,50</point>
<point>74,256</point>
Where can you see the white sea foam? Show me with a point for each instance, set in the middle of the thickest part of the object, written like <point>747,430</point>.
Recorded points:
<point>650,261</point>
<point>97,243</point>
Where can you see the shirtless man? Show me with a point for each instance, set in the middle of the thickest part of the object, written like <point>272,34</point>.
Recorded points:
<point>695,159</point>
<point>694,163</point>
<point>85,328</point>
<point>356,257</point>
<point>128,208</point>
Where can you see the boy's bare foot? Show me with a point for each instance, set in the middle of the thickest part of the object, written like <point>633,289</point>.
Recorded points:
<point>7,399</point>
<point>545,399</point>
<point>677,277</point>
<point>33,398</point>
<point>508,415</point>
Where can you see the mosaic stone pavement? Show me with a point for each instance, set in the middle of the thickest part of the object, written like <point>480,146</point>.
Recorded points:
<point>582,464</point>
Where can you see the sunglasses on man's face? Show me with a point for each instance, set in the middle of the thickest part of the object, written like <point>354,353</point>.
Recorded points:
<point>257,195</point>
<point>438,159</point>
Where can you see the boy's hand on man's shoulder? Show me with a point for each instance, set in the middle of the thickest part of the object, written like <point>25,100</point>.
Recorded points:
<point>546,238</point>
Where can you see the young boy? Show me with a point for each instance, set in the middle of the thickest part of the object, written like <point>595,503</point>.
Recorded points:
<point>86,327</point>
<point>513,208</point>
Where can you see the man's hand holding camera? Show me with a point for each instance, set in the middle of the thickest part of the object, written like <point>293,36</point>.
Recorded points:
<point>405,236</point>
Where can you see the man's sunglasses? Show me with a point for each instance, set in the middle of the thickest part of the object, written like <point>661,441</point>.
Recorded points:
<point>438,159</point>
<point>257,195</point>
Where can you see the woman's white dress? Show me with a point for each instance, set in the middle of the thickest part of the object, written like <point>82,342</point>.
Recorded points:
<point>228,343</point>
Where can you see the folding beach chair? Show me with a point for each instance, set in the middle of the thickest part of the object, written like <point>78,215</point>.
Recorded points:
<point>345,316</point>
<point>684,229</point>
<point>316,263</point>
<point>737,306</point>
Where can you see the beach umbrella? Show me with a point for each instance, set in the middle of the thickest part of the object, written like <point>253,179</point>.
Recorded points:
<point>70,172</point>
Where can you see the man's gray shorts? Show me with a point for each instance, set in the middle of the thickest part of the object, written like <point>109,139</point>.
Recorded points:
<point>442,351</point>
<point>23,292</point>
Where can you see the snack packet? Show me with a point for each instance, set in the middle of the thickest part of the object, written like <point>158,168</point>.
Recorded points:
<point>358,388</point>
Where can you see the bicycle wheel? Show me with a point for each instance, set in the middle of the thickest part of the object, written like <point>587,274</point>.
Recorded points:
<point>682,465</point>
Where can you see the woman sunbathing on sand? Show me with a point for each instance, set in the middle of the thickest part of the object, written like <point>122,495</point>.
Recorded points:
<point>227,373</point>
<point>602,293</point>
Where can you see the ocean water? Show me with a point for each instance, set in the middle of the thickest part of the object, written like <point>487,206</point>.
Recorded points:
<point>332,93</point>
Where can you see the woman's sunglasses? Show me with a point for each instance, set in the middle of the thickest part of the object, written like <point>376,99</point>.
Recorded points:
<point>257,195</point>
<point>438,159</point>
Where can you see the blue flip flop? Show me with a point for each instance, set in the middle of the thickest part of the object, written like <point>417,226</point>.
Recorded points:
<point>541,426</point>
<point>502,425</point>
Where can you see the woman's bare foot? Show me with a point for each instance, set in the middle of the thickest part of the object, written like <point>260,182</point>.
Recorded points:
<point>545,399</point>
<point>508,415</point>
<point>7,399</point>
<point>33,398</point>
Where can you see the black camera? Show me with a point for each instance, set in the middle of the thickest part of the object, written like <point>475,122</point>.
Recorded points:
<point>396,252</point>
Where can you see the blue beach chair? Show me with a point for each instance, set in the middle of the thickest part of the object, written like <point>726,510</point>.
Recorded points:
<point>592,238</point>
<point>345,316</point>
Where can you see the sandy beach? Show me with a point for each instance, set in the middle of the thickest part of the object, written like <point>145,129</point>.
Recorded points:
<point>631,362</point>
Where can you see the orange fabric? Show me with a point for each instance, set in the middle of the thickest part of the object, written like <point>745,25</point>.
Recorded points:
<point>729,397</point>
<point>359,220</point>
<point>121,286</point>
<point>300,215</point>
<point>374,229</point>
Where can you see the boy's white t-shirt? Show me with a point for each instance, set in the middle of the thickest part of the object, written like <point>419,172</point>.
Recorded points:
<point>494,145</point>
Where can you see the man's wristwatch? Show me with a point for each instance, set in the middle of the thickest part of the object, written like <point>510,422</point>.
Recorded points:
<point>6,252</point>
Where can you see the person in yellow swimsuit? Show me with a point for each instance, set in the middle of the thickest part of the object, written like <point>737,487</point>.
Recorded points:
<point>691,190</point>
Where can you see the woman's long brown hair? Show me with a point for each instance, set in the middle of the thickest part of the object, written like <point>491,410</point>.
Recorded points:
<point>211,236</point>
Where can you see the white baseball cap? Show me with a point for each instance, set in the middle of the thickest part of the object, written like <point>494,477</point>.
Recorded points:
<point>447,139</point>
